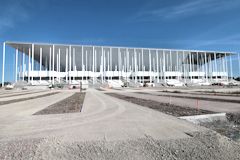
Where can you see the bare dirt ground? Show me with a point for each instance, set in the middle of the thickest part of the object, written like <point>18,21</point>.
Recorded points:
<point>25,99</point>
<point>167,108</point>
<point>207,145</point>
<point>107,128</point>
<point>69,105</point>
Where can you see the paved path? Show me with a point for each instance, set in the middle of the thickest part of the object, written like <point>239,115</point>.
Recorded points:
<point>102,117</point>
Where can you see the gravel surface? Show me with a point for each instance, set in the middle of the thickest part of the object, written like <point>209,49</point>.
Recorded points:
<point>207,145</point>
<point>167,108</point>
<point>69,105</point>
<point>226,128</point>
<point>233,117</point>
<point>195,97</point>
<point>25,99</point>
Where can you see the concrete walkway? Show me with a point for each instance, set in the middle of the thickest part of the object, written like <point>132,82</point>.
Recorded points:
<point>102,117</point>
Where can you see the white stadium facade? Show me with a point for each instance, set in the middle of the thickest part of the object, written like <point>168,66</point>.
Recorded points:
<point>44,64</point>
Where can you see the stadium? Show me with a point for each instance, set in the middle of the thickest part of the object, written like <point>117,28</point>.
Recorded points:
<point>45,64</point>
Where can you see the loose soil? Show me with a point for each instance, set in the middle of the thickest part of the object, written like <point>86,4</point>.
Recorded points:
<point>197,98</point>
<point>163,107</point>
<point>25,99</point>
<point>226,128</point>
<point>204,145</point>
<point>69,105</point>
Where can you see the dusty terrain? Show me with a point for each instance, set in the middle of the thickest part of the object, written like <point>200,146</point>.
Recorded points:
<point>69,105</point>
<point>107,128</point>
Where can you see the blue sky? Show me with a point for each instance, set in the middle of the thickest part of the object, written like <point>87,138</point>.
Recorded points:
<point>185,24</point>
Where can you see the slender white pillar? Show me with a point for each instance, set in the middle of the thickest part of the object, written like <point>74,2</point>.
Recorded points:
<point>23,66</point>
<point>111,63</point>
<point>184,67</point>
<point>197,66</point>
<point>231,69</point>
<point>29,63</point>
<point>93,65</point>
<point>119,58</point>
<point>16,65</point>
<point>164,66</point>
<point>171,65</point>
<point>177,70</point>
<point>59,64</point>
<point>82,64</point>
<point>206,67</point>
<point>108,63</point>
<point>215,65</point>
<point>3,64</point>
<point>135,65</point>
<point>142,68</point>
<point>57,76</point>
<point>102,66</point>
<point>50,63</point>
<point>157,66</point>
<point>32,68</point>
<point>66,65</point>
<point>239,64</point>
<point>53,67</point>
<point>150,66</point>
<point>190,62</point>
<point>70,64</point>
<point>40,76</point>
<point>74,63</point>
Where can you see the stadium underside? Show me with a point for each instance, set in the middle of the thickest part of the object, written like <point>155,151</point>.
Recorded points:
<point>70,64</point>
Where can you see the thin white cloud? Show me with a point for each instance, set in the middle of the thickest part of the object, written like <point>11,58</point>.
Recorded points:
<point>188,8</point>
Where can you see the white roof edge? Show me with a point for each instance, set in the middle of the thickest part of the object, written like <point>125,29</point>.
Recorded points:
<point>59,44</point>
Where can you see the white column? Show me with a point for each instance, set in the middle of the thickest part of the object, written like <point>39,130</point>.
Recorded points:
<point>190,61</point>
<point>226,65</point>
<point>16,65</point>
<point>108,63</point>
<point>59,64</point>
<point>206,68</point>
<point>239,64</point>
<point>82,64</point>
<point>171,66</point>
<point>66,65</point>
<point>53,53</point>
<point>23,66</point>
<point>57,77</point>
<point>177,67</point>
<point>231,69</point>
<point>157,66</point>
<point>40,76</point>
<point>142,68</point>
<point>111,62</point>
<point>164,66</point>
<point>135,65</point>
<point>215,64</point>
<point>101,68</point>
<point>74,63</point>
<point>184,67</point>
<point>29,63</point>
<point>197,66</point>
<point>32,61</point>
<point>50,63</point>
<point>119,63</point>
<point>93,65</point>
<point>3,64</point>
<point>150,65</point>
<point>70,63</point>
